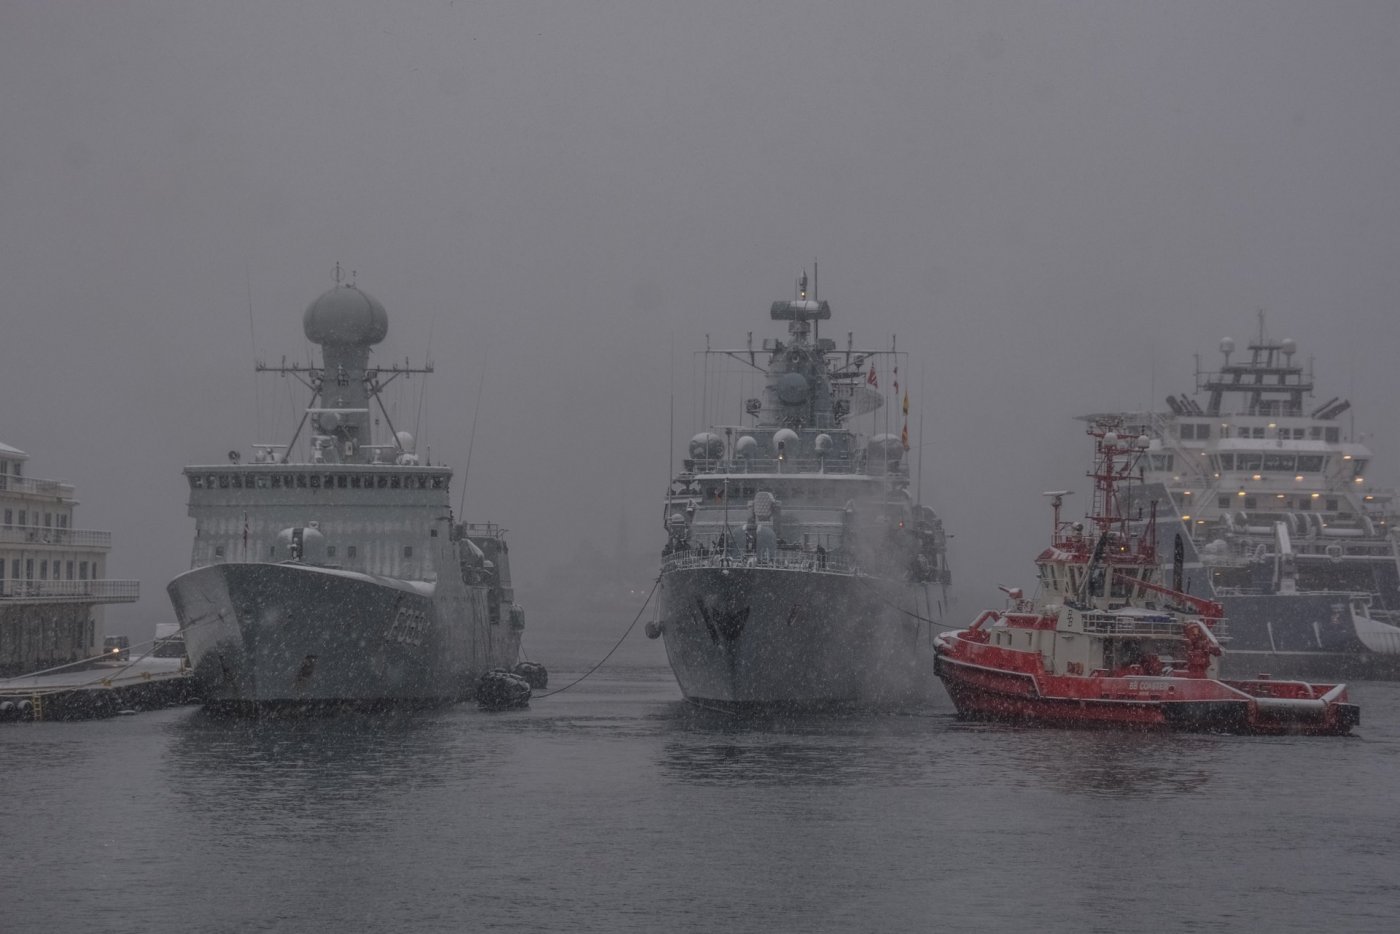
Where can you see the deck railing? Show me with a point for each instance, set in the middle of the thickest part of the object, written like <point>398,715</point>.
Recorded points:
<point>802,561</point>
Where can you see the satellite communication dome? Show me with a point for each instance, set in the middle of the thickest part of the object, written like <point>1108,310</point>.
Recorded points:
<point>405,440</point>
<point>784,438</point>
<point>345,315</point>
<point>823,443</point>
<point>707,445</point>
<point>747,446</point>
<point>1289,346</point>
<point>1227,345</point>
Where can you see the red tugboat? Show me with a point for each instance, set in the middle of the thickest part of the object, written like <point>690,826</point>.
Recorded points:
<point>1105,644</point>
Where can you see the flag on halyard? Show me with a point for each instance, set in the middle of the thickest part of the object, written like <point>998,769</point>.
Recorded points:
<point>906,402</point>
<point>870,377</point>
<point>896,380</point>
<point>904,436</point>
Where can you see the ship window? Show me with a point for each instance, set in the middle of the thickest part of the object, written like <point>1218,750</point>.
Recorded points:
<point>315,481</point>
<point>437,483</point>
<point>1304,503</point>
<point>223,481</point>
<point>1310,463</point>
<point>301,481</point>
<point>329,482</point>
<point>355,482</point>
<point>381,481</point>
<point>341,481</point>
<point>219,551</point>
<point>1223,502</point>
<point>422,482</point>
<point>1334,435</point>
<point>1331,504</point>
<point>1249,461</point>
<point>1250,503</point>
<point>394,482</point>
<point>260,481</point>
<point>277,481</point>
<point>196,483</point>
<point>209,481</point>
<point>1226,462</point>
<point>350,551</point>
<point>432,533</point>
<point>1358,467</point>
<point>1277,462</point>
<point>236,481</point>
<point>408,551</point>
<point>330,551</point>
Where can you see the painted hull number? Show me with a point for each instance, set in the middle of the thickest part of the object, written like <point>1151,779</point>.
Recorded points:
<point>410,627</point>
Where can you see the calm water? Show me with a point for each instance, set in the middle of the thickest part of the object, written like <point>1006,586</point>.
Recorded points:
<point>614,807</point>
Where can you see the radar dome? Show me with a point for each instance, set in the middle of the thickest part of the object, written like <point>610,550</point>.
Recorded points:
<point>345,315</point>
<point>823,443</point>
<point>405,440</point>
<point>1289,345</point>
<point>747,446</point>
<point>1227,345</point>
<point>784,438</point>
<point>707,446</point>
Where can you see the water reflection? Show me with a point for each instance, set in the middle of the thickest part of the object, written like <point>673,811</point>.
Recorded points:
<point>1111,763</point>
<point>888,747</point>
<point>309,774</point>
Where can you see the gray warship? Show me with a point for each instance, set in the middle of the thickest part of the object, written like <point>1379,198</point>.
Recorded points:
<point>797,569</point>
<point>338,577</point>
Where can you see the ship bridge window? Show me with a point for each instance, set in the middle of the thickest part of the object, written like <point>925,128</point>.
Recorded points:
<point>395,482</point>
<point>1225,462</point>
<point>223,481</point>
<point>1311,463</point>
<point>1161,462</point>
<point>1249,461</point>
<point>260,481</point>
<point>1279,462</point>
<point>301,481</point>
<point>1192,431</point>
<point>438,482</point>
<point>355,482</point>
<point>1333,435</point>
<point>196,483</point>
<point>1358,467</point>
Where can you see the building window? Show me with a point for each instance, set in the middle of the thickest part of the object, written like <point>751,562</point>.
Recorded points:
<point>69,575</point>
<point>219,551</point>
<point>408,551</point>
<point>1223,502</point>
<point>82,570</point>
<point>44,570</point>
<point>9,518</point>
<point>350,551</point>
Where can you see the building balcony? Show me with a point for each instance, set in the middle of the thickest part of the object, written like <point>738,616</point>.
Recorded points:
<point>72,538</point>
<point>95,591</point>
<point>36,487</point>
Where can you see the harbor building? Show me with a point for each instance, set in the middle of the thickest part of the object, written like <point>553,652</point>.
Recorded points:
<point>53,575</point>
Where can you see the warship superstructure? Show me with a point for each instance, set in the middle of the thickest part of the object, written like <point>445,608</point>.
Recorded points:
<point>332,573</point>
<point>1276,516</point>
<point>797,569</point>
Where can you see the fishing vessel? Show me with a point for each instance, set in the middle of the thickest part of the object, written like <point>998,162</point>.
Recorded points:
<point>1271,498</point>
<point>330,571</point>
<point>797,569</point>
<point>1105,643</point>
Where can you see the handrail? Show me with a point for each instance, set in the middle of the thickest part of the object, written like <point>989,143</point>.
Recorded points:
<point>46,535</point>
<point>109,590</point>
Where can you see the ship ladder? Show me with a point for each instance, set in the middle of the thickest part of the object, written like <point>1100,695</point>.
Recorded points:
<point>38,701</point>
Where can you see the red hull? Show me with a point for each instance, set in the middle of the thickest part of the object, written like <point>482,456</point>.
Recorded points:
<point>1205,705</point>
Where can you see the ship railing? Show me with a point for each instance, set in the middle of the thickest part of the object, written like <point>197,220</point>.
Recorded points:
<point>840,465</point>
<point>1112,624</point>
<point>805,561</point>
<point>36,535</point>
<point>106,591</point>
<point>36,485</point>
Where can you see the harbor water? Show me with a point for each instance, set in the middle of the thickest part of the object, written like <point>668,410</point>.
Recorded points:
<point>614,806</point>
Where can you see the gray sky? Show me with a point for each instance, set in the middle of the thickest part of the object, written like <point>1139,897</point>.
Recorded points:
<point>1054,205</point>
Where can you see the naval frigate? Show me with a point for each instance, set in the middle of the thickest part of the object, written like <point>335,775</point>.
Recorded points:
<point>797,569</point>
<point>332,573</point>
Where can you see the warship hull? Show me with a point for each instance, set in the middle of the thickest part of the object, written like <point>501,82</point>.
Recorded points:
<point>1310,635</point>
<point>294,637</point>
<point>744,636</point>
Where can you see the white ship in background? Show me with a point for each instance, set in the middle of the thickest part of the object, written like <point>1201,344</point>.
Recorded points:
<point>1277,517</point>
<point>340,578</point>
<point>797,569</point>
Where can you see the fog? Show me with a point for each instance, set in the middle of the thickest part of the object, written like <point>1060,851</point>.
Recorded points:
<point>1053,206</point>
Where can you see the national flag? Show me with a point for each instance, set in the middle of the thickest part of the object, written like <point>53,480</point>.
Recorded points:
<point>906,402</point>
<point>904,436</point>
<point>245,534</point>
<point>896,380</point>
<point>870,377</point>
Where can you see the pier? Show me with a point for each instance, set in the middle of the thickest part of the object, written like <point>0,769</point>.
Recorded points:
<point>97,690</point>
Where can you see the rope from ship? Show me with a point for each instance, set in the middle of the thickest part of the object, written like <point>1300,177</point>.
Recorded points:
<point>98,678</point>
<point>616,646</point>
<point>923,619</point>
